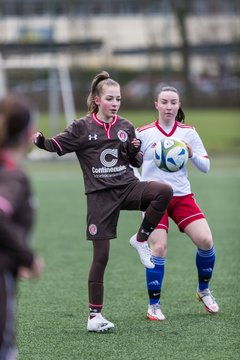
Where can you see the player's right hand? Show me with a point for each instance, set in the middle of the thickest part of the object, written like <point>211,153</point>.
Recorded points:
<point>39,140</point>
<point>36,137</point>
<point>34,271</point>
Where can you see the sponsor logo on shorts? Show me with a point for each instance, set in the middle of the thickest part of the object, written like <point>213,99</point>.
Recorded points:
<point>92,229</point>
<point>122,135</point>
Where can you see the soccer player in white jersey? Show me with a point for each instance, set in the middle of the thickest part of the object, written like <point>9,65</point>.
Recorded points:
<point>183,208</point>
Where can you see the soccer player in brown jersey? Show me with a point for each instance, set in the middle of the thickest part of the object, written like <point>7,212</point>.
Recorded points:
<point>106,148</point>
<point>16,215</point>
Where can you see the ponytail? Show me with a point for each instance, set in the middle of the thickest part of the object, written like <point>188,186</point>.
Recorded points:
<point>180,116</point>
<point>98,82</point>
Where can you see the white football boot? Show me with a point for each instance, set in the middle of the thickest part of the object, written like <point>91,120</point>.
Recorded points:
<point>99,324</point>
<point>144,251</point>
<point>154,312</point>
<point>208,301</point>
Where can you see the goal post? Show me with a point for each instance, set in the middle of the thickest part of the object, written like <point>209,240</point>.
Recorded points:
<point>3,79</point>
<point>67,93</point>
<point>58,78</point>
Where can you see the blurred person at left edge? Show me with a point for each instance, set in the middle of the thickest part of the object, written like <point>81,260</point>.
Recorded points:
<point>17,259</point>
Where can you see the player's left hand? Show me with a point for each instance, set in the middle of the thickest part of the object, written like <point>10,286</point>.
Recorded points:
<point>134,147</point>
<point>136,143</point>
<point>190,152</point>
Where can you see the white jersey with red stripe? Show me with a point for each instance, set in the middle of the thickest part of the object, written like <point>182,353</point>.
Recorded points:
<point>153,133</point>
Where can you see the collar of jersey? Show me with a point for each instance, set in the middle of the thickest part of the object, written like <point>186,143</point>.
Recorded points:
<point>102,123</point>
<point>162,131</point>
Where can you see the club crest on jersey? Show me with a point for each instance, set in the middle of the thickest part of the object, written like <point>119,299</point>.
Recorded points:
<point>92,229</point>
<point>92,137</point>
<point>122,135</point>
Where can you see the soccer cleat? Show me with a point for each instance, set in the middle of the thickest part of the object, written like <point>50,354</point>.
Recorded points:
<point>99,324</point>
<point>144,252</point>
<point>154,312</point>
<point>208,300</point>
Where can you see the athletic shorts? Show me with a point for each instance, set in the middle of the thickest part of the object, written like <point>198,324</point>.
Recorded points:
<point>183,210</point>
<point>103,209</point>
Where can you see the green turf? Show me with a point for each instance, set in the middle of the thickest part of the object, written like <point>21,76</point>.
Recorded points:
<point>220,129</point>
<point>52,312</point>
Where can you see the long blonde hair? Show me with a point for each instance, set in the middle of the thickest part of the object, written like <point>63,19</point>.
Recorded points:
<point>101,79</point>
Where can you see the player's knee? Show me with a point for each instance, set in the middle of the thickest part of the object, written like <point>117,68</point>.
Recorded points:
<point>105,258</point>
<point>168,191</point>
<point>165,193</point>
<point>206,242</point>
<point>159,249</point>
<point>102,259</point>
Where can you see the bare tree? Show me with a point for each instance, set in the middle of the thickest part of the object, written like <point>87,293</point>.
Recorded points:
<point>181,9</point>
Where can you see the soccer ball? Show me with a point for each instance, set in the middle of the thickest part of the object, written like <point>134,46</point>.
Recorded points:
<point>170,154</point>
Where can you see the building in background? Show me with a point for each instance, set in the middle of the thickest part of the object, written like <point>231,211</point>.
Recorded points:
<point>192,44</point>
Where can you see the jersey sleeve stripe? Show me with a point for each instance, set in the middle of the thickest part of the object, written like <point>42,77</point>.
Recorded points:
<point>146,127</point>
<point>184,126</point>
<point>57,143</point>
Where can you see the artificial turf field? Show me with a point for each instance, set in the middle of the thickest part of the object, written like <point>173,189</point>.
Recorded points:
<point>52,312</point>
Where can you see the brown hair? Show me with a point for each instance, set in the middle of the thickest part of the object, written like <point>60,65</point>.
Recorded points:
<point>101,79</point>
<point>15,117</point>
<point>180,114</point>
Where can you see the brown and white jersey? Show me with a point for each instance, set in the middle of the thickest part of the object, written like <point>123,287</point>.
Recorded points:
<point>104,151</point>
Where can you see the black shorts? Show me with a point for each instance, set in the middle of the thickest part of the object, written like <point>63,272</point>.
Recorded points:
<point>103,209</point>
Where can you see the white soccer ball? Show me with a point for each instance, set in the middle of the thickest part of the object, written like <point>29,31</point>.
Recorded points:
<point>170,154</point>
